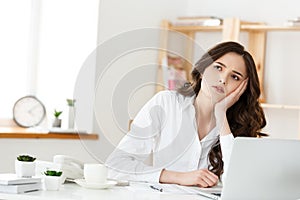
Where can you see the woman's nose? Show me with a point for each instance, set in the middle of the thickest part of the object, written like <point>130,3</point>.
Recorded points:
<point>223,77</point>
<point>222,80</point>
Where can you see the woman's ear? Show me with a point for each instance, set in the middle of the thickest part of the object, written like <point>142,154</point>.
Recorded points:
<point>187,84</point>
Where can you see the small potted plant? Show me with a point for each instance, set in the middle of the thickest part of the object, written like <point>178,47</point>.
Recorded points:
<point>52,179</point>
<point>57,121</point>
<point>25,166</point>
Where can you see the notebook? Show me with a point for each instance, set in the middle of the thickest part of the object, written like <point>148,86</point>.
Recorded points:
<point>11,183</point>
<point>11,179</point>
<point>262,168</point>
<point>22,188</point>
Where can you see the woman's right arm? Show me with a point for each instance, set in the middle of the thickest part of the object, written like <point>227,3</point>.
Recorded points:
<point>128,159</point>
<point>127,162</point>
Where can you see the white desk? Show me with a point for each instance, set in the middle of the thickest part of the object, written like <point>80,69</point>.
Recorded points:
<point>135,191</point>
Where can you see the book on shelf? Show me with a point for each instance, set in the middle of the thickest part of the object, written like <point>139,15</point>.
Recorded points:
<point>20,188</point>
<point>13,179</point>
<point>293,22</point>
<point>197,17</point>
<point>198,21</point>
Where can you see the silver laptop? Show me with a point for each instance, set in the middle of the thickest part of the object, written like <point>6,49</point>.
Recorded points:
<point>262,168</point>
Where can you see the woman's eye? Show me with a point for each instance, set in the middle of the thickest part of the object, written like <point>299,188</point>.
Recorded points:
<point>235,77</point>
<point>217,67</point>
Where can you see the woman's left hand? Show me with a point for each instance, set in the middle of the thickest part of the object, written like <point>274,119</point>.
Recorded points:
<point>222,106</point>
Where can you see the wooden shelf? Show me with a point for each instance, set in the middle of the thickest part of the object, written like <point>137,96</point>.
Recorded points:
<point>24,133</point>
<point>244,27</point>
<point>280,106</point>
<point>247,27</point>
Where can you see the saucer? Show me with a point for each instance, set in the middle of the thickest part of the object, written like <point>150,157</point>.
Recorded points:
<point>105,185</point>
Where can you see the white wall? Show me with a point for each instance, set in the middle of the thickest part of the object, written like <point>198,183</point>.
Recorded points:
<point>126,69</point>
<point>281,69</point>
<point>43,149</point>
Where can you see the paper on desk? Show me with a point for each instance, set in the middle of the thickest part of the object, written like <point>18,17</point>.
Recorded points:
<point>172,188</point>
<point>196,190</point>
<point>145,187</point>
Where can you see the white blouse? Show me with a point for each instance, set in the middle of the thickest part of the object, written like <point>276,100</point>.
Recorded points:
<point>165,131</point>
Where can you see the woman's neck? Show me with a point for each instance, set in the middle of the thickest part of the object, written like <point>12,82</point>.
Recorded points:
<point>203,104</point>
<point>204,114</point>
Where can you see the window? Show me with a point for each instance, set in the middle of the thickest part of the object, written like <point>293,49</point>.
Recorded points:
<point>15,22</point>
<point>44,45</point>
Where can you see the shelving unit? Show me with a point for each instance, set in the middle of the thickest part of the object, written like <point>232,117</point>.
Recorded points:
<point>26,133</point>
<point>231,28</point>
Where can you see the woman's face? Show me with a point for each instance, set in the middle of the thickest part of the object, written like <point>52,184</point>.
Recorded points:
<point>223,76</point>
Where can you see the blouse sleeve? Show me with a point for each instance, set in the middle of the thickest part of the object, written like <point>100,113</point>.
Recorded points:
<point>127,161</point>
<point>226,147</point>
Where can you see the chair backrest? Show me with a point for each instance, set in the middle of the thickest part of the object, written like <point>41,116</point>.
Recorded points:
<point>149,160</point>
<point>129,123</point>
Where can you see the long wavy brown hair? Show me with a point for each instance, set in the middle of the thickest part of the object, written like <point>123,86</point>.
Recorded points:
<point>246,117</point>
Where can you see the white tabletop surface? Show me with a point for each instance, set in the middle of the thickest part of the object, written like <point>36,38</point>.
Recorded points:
<point>136,191</point>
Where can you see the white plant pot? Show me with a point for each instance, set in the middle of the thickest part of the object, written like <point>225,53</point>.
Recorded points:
<point>56,123</point>
<point>52,182</point>
<point>24,169</point>
<point>71,120</point>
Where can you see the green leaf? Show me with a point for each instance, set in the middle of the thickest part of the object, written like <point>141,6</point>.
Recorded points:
<point>25,158</point>
<point>57,113</point>
<point>71,102</point>
<point>53,173</point>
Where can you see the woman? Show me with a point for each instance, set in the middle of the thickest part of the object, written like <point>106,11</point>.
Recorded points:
<point>189,133</point>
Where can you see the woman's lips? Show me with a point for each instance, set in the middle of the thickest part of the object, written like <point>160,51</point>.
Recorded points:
<point>219,89</point>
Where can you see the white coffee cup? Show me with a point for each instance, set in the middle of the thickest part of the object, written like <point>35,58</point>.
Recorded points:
<point>95,173</point>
